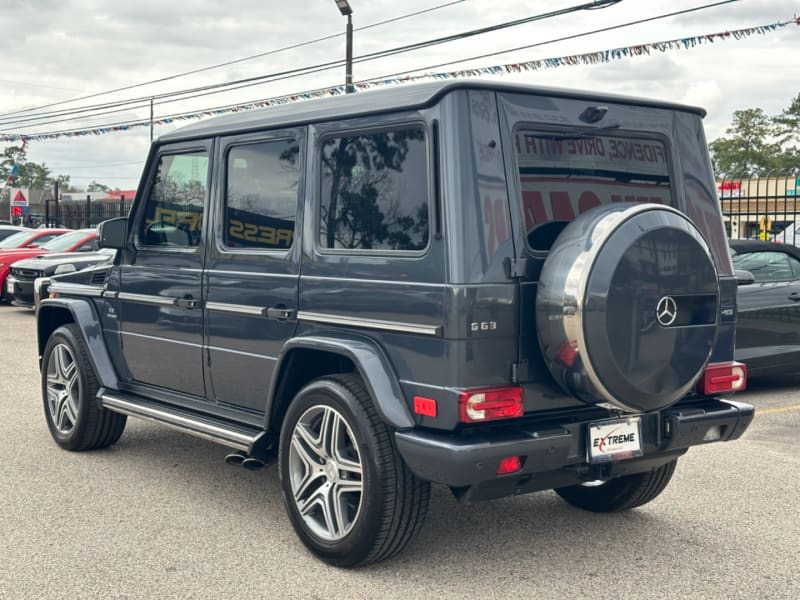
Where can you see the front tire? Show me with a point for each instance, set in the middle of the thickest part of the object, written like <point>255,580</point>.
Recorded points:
<point>69,390</point>
<point>622,493</point>
<point>351,499</point>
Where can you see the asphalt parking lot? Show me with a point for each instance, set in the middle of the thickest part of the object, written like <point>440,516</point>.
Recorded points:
<point>161,515</point>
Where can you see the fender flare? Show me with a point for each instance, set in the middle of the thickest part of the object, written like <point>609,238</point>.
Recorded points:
<point>372,364</point>
<point>84,315</point>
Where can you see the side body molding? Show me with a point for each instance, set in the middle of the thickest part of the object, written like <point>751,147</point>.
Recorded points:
<point>58,311</point>
<point>371,363</point>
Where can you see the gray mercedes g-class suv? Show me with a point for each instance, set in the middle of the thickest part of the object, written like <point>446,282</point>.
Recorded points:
<point>498,288</point>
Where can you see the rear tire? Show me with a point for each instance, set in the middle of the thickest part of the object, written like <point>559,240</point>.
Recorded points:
<point>69,390</point>
<point>351,499</point>
<point>622,493</point>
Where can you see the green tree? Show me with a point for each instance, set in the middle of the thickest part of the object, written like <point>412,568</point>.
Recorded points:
<point>29,174</point>
<point>97,187</point>
<point>747,149</point>
<point>788,123</point>
<point>64,184</point>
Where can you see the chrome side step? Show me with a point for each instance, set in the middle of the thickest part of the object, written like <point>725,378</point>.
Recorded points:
<point>232,435</point>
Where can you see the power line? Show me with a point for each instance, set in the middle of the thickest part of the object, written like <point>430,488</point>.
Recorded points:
<point>556,40</point>
<point>231,62</point>
<point>245,106</point>
<point>119,164</point>
<point>257,80</point>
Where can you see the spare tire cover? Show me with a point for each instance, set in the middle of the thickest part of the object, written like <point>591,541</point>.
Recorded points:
<point>627,306</point>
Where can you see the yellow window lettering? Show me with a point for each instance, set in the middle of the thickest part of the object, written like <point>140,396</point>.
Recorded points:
<point>251,232</point>
<point>267,236</point>
<point>283,237</point>
<point>236,229</point>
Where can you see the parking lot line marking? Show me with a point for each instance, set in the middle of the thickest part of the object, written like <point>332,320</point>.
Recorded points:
<point>780,409</point>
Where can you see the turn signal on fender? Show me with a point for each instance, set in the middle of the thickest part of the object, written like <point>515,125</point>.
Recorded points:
<point>490,404</point>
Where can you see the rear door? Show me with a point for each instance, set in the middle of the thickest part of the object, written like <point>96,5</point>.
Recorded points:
<point>253,266</point>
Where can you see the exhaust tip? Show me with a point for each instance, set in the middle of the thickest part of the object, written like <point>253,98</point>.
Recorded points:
<point>252,464</point>
<point>236,458</point>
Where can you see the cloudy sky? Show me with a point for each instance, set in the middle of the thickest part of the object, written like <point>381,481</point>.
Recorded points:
<point>57,50</point>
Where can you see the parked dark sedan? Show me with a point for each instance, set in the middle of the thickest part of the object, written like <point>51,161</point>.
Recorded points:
<point>768,321</point>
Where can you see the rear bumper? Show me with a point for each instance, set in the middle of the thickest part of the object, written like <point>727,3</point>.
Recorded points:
<point>554,453</point>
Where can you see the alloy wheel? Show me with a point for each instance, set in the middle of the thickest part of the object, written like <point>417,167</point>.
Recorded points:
<point>63,390</point>
<point>325,471</point>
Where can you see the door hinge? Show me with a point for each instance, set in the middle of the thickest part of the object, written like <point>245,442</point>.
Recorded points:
<point>519,372</point>
<point>517,267</point>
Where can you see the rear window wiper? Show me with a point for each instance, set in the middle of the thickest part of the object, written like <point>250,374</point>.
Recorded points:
<point>577,134</point>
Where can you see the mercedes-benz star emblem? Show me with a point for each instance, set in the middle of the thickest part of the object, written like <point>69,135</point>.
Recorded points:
<point>666,311</point>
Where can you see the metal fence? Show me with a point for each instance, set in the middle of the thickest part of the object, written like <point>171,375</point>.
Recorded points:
<point>762,206</point>
<point>74,214</point>
<point>83,213</point>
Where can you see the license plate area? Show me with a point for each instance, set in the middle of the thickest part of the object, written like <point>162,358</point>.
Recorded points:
<point>614,439</point>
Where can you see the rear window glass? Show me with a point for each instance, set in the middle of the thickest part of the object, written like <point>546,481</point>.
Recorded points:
<point>563,175</point>
<point>374,193</point>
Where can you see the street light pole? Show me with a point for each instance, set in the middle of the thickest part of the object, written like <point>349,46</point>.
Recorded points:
<point>344,8</point>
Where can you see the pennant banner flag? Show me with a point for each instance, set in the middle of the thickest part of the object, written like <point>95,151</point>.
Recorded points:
<point>589,58</point>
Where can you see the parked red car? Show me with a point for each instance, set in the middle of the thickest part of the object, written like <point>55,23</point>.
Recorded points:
<point>29,237</point>
<point>56,240</point>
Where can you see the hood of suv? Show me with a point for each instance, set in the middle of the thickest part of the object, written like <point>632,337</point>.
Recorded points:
<point>47,263</point>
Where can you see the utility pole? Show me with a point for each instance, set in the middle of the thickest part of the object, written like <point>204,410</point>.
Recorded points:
<point>344,8</point>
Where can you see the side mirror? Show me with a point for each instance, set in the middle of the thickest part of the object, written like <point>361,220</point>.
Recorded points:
<point>113,233</point>
<point>744,277</point>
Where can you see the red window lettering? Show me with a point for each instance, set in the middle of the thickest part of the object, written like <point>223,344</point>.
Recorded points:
<point>495,222</point>
<point>588,200</point>
<point>533,209</point>
<point>562,208</point>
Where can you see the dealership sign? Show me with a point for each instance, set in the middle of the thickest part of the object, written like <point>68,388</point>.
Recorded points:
<point>730,189</point>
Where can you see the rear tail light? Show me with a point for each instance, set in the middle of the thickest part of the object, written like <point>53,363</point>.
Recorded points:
<point>723,377</point>
<point>510,464</point>
<point>490,404</point>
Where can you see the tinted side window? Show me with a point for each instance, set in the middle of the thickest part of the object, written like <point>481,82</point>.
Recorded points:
<point>174,209</point>
<point>261,195</point>
<point>561,177</point>
<point>374,193</point>
<point>766,266</point>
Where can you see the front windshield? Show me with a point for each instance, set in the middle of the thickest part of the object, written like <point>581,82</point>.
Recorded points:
<point>16,240</point>
<point>64,242</point>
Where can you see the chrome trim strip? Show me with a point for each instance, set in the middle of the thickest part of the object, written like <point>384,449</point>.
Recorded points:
<point>239,309</point>
<point>253,274</point>
<point>381,281</point>
<point>76,289</point>
<point>241,353</point>
<point>371,323</point>
<point>146,299</point>
<point>160,339</point>
<point>233,439</point>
